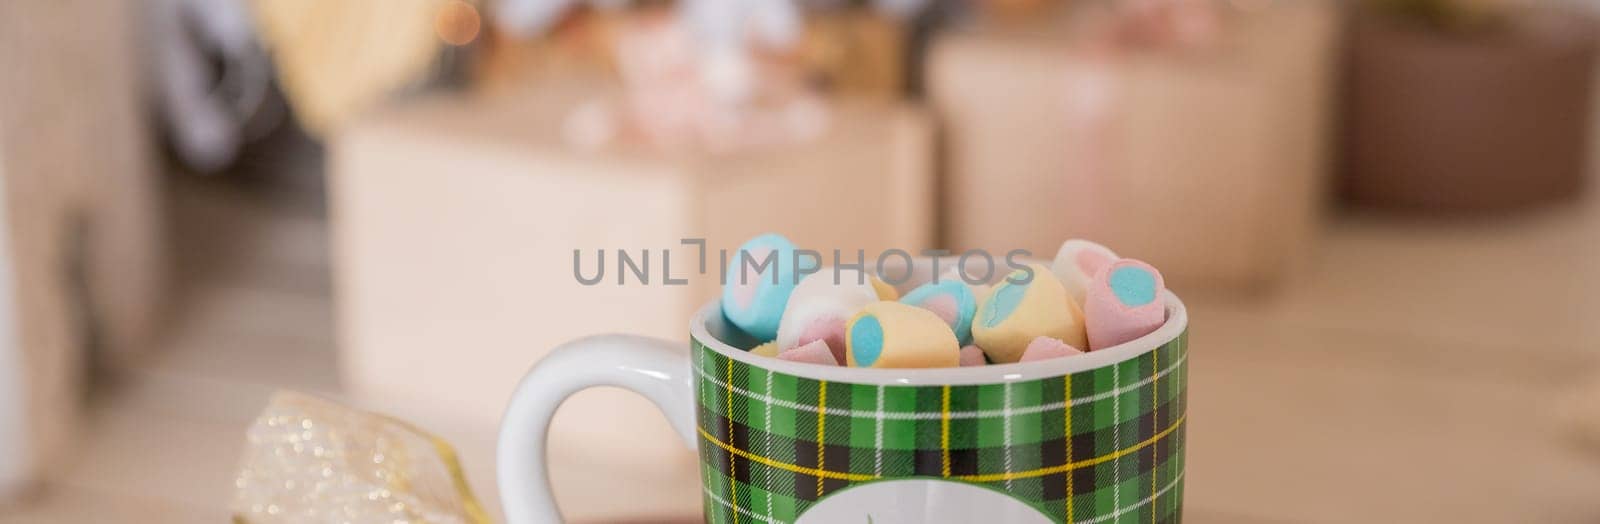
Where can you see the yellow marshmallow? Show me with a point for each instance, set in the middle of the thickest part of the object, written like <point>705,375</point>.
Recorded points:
<point>884,290</point>
<point>1012,315</point>
<point>769,349</point>
<point>895,335</point>
<point>980,291</point>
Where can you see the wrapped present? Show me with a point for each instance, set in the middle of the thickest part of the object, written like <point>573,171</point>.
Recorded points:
<point>681,89</point>
<point>681,85</point>
<point>1418,136</point>
<point>579,45</point>
<point>855,52</point>
<point>852,52</point>
<point>459,225</point>
<point>1194,143</point>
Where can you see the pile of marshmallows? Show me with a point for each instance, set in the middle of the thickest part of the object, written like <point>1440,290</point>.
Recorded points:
<point>1089,299</point>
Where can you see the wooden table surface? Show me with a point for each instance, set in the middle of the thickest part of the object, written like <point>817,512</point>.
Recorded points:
<point>1416,374</point>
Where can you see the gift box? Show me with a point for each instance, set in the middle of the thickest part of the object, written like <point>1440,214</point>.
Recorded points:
<point>1205,160</point>
<point>1420,138</point>
<point>581,45</point>
<point>856,52</point>
<point>461,226</point>
<point>853,52</point>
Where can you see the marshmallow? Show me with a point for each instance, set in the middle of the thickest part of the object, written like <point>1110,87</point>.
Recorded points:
<point>1016,313</point>
<point>816,352</point>
<point>979,291</point>
<point>754,301</point>
<point>895,335</point>
<point>1076,264</point>
<point>821,306</point>
<point>972,356</point>
<point>1124,303</point>
<point>829,329</point>
<point>952,300</point>
<point>885,291</point>
<point>1045,348</point>
<point>769,349</point>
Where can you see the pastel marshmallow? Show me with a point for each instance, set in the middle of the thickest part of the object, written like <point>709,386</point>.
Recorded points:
<point>972,356</point>
<point>952,300</point>
<point>1046,348</point>
<point>885,291</point>
<point>1124,303</point>
<point>1076,264</point>
<point>894,335</point>
<point>821,305</point>
<point>816,352</point>
<point>979,290</point>
<point>769,349</point>
<point>1018,311</point>
<point>827,329</point>
<point>754,295</point>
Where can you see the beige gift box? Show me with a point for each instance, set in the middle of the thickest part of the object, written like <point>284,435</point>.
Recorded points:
<point>1208,163</point>
<point>455,222</point>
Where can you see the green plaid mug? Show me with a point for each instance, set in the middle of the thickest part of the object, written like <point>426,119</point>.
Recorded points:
<point>1097,437</point>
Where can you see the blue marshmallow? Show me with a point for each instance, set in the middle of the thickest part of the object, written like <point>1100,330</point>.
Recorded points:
<point>755,291</point>
<point>952,301</point>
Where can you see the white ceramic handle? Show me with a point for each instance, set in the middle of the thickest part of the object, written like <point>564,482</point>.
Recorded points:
<point>655,368</point>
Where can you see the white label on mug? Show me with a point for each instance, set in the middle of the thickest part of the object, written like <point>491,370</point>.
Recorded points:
<point>920,501</point>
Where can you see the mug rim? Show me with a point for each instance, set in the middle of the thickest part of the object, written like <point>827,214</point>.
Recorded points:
<point>1177,323</point>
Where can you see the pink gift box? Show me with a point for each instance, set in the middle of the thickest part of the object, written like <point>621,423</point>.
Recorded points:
<point>1207,162</point>
<point>455,221</point>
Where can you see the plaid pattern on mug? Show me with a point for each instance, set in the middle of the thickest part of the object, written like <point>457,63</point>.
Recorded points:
<point>1102,445</point>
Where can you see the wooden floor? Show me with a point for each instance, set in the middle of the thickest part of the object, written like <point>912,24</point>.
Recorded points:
<point>1416,374</point>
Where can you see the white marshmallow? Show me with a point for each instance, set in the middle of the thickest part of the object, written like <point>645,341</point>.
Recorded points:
<point>1076,264</point>
<point>822,296</point>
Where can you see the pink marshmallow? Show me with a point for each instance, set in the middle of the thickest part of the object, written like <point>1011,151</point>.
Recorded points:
<point>972,356</point>
<point>816,352</point>
<point>827,329</point>
<point>1046,348</point>
<point>1123,303</point>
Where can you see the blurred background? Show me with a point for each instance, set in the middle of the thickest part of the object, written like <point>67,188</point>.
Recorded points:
<point>1380,213</point>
